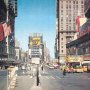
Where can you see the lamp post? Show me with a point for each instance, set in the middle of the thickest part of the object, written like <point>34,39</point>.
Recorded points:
<point>37,77</point>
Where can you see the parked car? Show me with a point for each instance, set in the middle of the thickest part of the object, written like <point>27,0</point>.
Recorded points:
<point>55,66</point>
<point>79,69</point>
<point>69,69</point>
<point>51,67</point>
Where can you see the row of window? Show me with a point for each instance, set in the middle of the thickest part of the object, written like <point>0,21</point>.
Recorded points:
<point>81,51</point>
<point>74,2</point>
<point>2,50</point>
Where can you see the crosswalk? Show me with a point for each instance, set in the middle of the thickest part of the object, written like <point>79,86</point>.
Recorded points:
<point>66,77</point>
<point>51,77</point>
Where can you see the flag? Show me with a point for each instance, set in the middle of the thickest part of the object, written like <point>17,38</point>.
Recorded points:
<point>1,32</point>
<point>7,29</point>
<point>78,23</point>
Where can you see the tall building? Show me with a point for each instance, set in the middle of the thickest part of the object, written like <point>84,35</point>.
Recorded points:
<point>46,54</point>
<point>8,15</point>
<point>87,8</point>
<point>17,50</point>
<point>67,10</point>
<point>79,49</point>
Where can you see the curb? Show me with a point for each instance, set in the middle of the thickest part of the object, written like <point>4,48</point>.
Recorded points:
<point>12,83</point>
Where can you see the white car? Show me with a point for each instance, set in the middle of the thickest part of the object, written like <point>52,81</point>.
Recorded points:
<point>51,67</point>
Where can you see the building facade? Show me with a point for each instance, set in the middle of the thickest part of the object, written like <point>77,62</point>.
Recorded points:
<point>8,9</point>
<point>46,54</point>
<point>17,51</point>
<point>81,46</point>
<point>67,10</point>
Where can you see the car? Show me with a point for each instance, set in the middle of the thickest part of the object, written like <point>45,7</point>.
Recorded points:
<point>51,67</point>
<point>69,70</point>
<point>55,66</point>
<point>85,68</point>
<point>78,70</point>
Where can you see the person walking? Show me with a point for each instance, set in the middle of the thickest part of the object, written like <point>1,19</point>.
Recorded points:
<point>64,72</point>
<point>42,68</point>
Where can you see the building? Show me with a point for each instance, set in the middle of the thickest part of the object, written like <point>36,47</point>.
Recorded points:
<point>87,8</point>
<point>36,48</point>
<point>46,54</point>
<point>23,57</point>
<point>8,9</point>
<point>81,46</point>
<point>67,10</point>
<point>17,50</point>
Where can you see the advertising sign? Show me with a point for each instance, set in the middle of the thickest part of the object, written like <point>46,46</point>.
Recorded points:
<point>35,41</point>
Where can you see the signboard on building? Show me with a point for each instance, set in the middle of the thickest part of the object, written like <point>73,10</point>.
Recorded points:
<point>73,58</point>
<point>35,41</point>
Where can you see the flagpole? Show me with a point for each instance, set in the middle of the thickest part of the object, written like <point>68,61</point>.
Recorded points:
<point>7,39</point>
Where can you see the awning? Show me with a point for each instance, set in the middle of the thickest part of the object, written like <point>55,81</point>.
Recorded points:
<point>86,61</point>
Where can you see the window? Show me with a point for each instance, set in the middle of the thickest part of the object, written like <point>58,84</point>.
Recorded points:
<point>76,6</point>
<point>61,11</point>
<point>69,1</point>
<point>61,38</point>
<point>61,46</point>
<point>82,6</point>
<point>69,20</point>
<point>61,5</point>
<point>67,6</point>
<point>76,2</point>
<point>81,2</point>
<point>69,27</point>
<point>73,2</point>
<point>61,32</point>
<point>62,51</point>
<point>61,19</point>
<point>62,43</point>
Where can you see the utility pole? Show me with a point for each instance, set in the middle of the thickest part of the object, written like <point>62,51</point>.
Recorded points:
<point>37,77</point>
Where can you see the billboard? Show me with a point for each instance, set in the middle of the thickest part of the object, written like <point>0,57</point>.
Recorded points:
<point>35,41</point>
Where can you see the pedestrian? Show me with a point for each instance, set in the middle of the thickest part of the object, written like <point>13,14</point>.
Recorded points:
<point>64,72</point>
<point>42,68</point>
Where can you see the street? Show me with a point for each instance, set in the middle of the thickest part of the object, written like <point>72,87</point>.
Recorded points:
<point>52,79</point>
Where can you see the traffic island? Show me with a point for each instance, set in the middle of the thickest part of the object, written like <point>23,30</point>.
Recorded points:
<point>36,88</point>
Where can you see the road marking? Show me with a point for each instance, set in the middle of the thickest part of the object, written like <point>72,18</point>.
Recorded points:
<point>47,77</point>
<point>31,76</point>
<point>88,78</point>
<point>52,77</point>
<point>58,77</point>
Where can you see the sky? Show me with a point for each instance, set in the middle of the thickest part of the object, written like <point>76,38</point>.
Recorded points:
<point>36,16</point>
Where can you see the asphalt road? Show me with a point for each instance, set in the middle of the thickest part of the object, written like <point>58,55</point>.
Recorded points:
<point>52,79</point>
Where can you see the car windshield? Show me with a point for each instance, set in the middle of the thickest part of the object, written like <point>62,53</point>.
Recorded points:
<point>44,44</point>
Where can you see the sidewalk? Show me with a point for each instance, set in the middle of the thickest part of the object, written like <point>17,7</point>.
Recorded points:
<point>36,88</point>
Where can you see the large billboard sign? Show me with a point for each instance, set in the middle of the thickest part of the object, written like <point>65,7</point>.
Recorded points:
<point>35,41</point>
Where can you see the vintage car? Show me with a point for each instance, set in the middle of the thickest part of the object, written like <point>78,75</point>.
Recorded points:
<point>79,69</point>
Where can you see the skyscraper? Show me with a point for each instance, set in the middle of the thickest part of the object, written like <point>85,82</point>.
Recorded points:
<point>8,12</point>
<point>67,10</point>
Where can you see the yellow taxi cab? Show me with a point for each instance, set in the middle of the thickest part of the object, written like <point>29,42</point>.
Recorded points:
<point>85,68</point>
<point>79,69</point>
